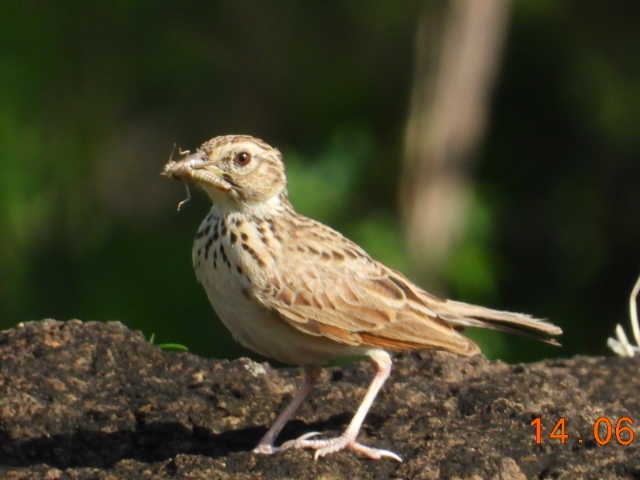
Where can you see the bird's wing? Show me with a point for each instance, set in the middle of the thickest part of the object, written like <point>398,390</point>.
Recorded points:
<point>336,290</point>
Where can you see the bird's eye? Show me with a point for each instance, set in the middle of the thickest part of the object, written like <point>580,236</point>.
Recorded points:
<point>242,159</point>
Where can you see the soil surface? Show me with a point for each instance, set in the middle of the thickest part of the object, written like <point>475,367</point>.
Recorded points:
<point>97,401</point>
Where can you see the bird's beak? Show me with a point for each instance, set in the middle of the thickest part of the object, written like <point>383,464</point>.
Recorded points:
<point>197,169</point>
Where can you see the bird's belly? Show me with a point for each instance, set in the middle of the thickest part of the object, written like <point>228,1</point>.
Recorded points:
<point>259,329</point>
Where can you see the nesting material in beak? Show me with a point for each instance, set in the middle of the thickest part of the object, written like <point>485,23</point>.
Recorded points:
<point>196,169</point>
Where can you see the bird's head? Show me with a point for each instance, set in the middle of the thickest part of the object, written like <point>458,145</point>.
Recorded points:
<point>238,172</point>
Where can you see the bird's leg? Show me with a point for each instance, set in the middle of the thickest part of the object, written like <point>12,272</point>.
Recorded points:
<point>265,445</point>
<point>382,363</point>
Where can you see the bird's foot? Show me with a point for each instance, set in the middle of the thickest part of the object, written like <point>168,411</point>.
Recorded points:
<point>326,446</point>
<point>265,449</point>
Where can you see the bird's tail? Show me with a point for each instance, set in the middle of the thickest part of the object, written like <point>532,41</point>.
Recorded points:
<point>459,314</point>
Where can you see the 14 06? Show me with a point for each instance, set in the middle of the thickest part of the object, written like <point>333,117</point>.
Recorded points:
<point>604,430</point>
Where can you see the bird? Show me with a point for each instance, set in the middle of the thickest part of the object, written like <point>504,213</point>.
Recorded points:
<point>299,292</point>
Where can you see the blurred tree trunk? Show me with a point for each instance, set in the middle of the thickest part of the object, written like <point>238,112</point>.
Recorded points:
<point>458,46</point>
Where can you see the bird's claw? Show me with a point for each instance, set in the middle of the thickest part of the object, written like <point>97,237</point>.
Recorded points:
<point>326,446</point>
<point>265,449</point>
<point>300,442</point>
<point>269,449</point>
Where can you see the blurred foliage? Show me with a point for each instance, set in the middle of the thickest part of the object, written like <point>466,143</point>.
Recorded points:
<point>94,95</point>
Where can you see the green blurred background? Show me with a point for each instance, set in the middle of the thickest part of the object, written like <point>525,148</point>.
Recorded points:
<point>93,96</point>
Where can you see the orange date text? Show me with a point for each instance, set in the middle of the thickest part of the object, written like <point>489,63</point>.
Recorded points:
<point>605,430</point>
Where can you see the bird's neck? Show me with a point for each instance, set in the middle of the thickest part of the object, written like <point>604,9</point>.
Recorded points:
<point>273,207</point>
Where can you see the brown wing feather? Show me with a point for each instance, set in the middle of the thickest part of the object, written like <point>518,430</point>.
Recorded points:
<point>350,298</point>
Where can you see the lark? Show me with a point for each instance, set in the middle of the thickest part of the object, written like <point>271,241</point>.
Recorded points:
<point>297,291</point>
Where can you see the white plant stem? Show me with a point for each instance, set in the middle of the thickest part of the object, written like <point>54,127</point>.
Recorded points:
<point>621,345</point>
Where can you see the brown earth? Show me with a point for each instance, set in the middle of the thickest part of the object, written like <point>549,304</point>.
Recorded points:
<point>97,401</point>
